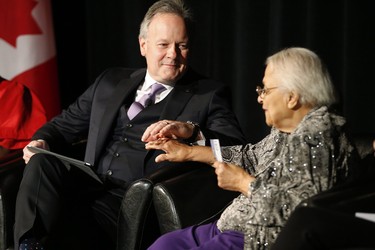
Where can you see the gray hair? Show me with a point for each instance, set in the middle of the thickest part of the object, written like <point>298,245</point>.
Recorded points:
<point>302,71</point>
<point>176,7</point>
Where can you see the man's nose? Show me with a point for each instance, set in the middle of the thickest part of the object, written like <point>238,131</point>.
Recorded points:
<point>173,51</point>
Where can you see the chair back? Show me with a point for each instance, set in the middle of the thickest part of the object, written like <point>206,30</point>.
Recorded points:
<point>11,170</point>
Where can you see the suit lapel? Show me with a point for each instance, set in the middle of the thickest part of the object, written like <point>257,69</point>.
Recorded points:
<point>176,102</point>
<point>120,93</point>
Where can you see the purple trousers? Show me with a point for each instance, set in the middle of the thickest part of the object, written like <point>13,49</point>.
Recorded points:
<point>200,237</point>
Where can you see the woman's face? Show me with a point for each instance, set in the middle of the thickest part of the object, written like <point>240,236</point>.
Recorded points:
<point>275,102</point>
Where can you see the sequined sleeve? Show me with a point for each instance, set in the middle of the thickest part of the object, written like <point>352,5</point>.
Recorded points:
<point>246,156</point>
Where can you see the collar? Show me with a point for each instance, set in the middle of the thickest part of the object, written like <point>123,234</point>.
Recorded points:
<point>149,81</point>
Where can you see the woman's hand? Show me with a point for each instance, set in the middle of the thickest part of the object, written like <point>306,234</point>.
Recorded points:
<point>176,151</point>
<point>232,177</point>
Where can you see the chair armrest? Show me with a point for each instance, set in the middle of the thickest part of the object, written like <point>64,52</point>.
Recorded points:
<point>346,200</point>
<point>137,211</point>
<point>188,199</point>
<point>134,211</point>
<point>331,211</point>
<point>356,195</point>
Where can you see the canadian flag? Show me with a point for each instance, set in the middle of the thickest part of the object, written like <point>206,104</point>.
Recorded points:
<point>27,49</point>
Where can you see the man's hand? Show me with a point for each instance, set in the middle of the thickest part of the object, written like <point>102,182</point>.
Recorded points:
<point>168,129</point>
<point>36,143</point>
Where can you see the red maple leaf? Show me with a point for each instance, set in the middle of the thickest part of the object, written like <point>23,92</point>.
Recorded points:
<point>16,19</point>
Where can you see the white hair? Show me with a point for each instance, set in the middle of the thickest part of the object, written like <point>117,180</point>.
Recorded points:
<point>301,70</point>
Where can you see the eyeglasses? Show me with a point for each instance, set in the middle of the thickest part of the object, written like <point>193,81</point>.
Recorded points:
<point>262,92</point>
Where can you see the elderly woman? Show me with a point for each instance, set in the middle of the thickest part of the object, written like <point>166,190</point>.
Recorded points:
<point>306,152</point>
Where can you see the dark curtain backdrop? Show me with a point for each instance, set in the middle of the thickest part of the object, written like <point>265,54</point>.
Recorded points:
<point>232,40</point>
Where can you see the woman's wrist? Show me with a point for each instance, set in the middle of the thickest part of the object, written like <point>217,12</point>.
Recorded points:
<point>201,154</point>
<point>250,187</point>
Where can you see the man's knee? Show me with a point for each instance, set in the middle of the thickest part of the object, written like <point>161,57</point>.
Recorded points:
<point>42,163</point>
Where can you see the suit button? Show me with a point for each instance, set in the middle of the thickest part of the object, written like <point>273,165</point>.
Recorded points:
<point>129,125</point>
<point>109,172</point>
<point>116,154</point>
<point>124,139</point>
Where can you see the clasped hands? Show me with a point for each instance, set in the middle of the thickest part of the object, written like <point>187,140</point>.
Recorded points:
<point>164,136</point>
<point>168,129</point>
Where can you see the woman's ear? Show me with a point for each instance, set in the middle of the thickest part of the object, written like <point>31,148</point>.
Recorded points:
<point>293,100</point>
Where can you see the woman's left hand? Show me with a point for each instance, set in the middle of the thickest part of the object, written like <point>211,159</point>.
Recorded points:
<point>174,150</point>
<point>232,177</point>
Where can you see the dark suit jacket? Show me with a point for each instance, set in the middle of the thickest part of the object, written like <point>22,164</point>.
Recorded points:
<point>94,113</point>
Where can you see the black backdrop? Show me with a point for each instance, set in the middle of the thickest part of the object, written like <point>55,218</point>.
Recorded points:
<point>232,40</point>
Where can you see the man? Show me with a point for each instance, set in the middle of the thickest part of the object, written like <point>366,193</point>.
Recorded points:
<point>106,113</point>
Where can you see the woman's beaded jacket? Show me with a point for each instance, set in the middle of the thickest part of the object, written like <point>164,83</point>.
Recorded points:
<point>288,169</point>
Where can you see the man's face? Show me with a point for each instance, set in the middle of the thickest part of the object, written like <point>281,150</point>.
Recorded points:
<point>165,48</point>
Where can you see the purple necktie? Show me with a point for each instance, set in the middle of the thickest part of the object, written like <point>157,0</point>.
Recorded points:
<point>145,100</point>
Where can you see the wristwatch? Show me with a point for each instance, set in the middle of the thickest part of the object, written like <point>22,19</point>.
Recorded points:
<point>196,130</point>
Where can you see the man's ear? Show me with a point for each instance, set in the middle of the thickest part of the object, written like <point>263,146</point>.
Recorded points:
<point>142,46</point>
<point>293,101</point>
